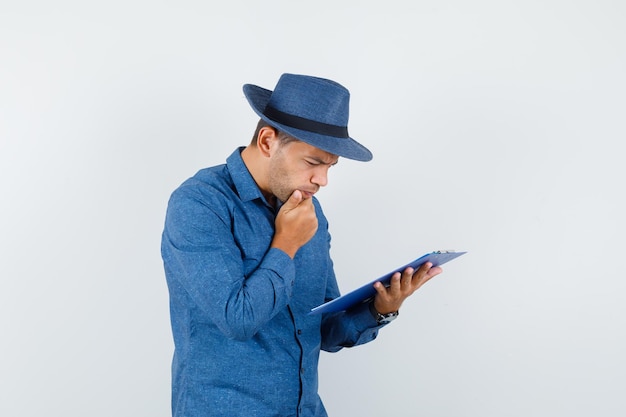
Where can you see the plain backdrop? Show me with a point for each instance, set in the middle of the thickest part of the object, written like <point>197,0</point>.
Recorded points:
<point>496,128</point>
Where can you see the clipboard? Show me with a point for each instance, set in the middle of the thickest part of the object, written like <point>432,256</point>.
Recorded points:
<point>367,291</point>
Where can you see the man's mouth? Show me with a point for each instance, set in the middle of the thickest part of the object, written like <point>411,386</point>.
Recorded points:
<point>308,193</point>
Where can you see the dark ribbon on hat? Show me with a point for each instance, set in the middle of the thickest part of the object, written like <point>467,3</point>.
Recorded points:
<point>305,124</point>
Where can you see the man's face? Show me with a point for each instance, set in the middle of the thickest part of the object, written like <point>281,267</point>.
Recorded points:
<point>299,166</point>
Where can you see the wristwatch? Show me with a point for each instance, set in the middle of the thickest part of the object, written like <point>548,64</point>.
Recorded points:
<point>383,318</point>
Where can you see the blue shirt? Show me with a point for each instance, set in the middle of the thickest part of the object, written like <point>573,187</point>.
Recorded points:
<point>244,342</point>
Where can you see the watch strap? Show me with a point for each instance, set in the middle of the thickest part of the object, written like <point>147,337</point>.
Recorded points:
<point>383,318</point>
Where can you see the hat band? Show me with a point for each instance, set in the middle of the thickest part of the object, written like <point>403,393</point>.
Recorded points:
<point>301,123</point>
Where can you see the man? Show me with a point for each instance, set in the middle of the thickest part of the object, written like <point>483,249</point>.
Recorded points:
<point>246,255</point>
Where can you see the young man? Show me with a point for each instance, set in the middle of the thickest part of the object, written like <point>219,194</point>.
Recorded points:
<point>246,255</point>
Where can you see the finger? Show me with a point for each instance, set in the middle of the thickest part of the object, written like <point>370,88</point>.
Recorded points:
<point>407,276</point>
<point>308,201</point>
<point>296,196</point>
<point>380,289</point>
<point>423,276</point>
<point>424,268</point>
<point>432,272</point>
<point>294,199</point>
<point>395,284</point>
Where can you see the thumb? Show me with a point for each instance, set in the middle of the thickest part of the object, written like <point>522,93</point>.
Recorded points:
<point>294,199</point>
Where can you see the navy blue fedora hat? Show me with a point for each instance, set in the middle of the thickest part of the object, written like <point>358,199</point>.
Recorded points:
<point>311,109</point>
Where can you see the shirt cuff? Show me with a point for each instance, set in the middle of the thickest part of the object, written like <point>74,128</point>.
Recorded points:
<point>363,318</point>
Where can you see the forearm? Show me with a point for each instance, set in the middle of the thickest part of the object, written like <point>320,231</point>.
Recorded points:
<point>249,303</point>
<point>348,328</point>
<point>237,296</point>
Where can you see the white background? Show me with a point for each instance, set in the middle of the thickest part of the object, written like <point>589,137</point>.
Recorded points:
<point>495,128</point>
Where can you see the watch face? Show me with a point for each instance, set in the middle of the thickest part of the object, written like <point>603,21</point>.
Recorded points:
<point>387,318</point>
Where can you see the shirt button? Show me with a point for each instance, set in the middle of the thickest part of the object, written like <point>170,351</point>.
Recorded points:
<point>299,331</point>
<point>301,370</point>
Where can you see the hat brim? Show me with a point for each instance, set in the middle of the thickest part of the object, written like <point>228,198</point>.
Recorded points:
<point>258,97</point>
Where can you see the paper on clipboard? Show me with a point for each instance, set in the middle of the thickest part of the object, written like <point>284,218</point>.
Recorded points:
<point>367,291</point>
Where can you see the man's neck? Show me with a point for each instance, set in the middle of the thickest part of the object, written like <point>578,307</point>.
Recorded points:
<point>257,167</point>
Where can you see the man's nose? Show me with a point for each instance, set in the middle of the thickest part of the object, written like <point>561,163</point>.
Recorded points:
<point>320,177</point>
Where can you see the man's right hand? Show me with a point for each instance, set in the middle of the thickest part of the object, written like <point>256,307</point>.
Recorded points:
<point>296,224</point>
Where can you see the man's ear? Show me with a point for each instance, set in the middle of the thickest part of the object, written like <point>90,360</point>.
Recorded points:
<point>267,141</point>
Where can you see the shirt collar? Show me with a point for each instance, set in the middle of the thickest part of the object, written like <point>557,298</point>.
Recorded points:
<point>244,183</point>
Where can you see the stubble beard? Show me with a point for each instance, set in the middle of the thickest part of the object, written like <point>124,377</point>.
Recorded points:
<point>279,179</point>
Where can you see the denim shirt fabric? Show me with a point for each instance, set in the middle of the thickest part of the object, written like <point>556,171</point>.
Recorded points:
<point>244,342</point>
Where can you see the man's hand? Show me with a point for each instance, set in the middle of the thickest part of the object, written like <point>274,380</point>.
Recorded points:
<point>296,224</point>
<point>402,286</point>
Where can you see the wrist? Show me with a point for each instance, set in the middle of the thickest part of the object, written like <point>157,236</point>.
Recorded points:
<point>383,318</point>
<point>290,250</point>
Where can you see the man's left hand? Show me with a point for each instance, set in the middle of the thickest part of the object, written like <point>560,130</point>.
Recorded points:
<point>402,285</point>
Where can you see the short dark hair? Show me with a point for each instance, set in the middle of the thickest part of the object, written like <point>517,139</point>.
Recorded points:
<point>282,136</point>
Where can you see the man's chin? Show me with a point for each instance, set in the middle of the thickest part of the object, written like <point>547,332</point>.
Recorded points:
<point>283,197</point>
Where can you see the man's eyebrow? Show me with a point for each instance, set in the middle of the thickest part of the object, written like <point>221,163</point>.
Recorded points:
<point>322,161</point>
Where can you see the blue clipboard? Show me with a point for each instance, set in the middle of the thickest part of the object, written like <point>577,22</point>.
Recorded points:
<point>367,291</point>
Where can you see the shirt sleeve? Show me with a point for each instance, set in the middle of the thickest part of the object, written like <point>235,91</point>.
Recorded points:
<point>353,327</point>
<point>349,328</point>
<point>204,268</point>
